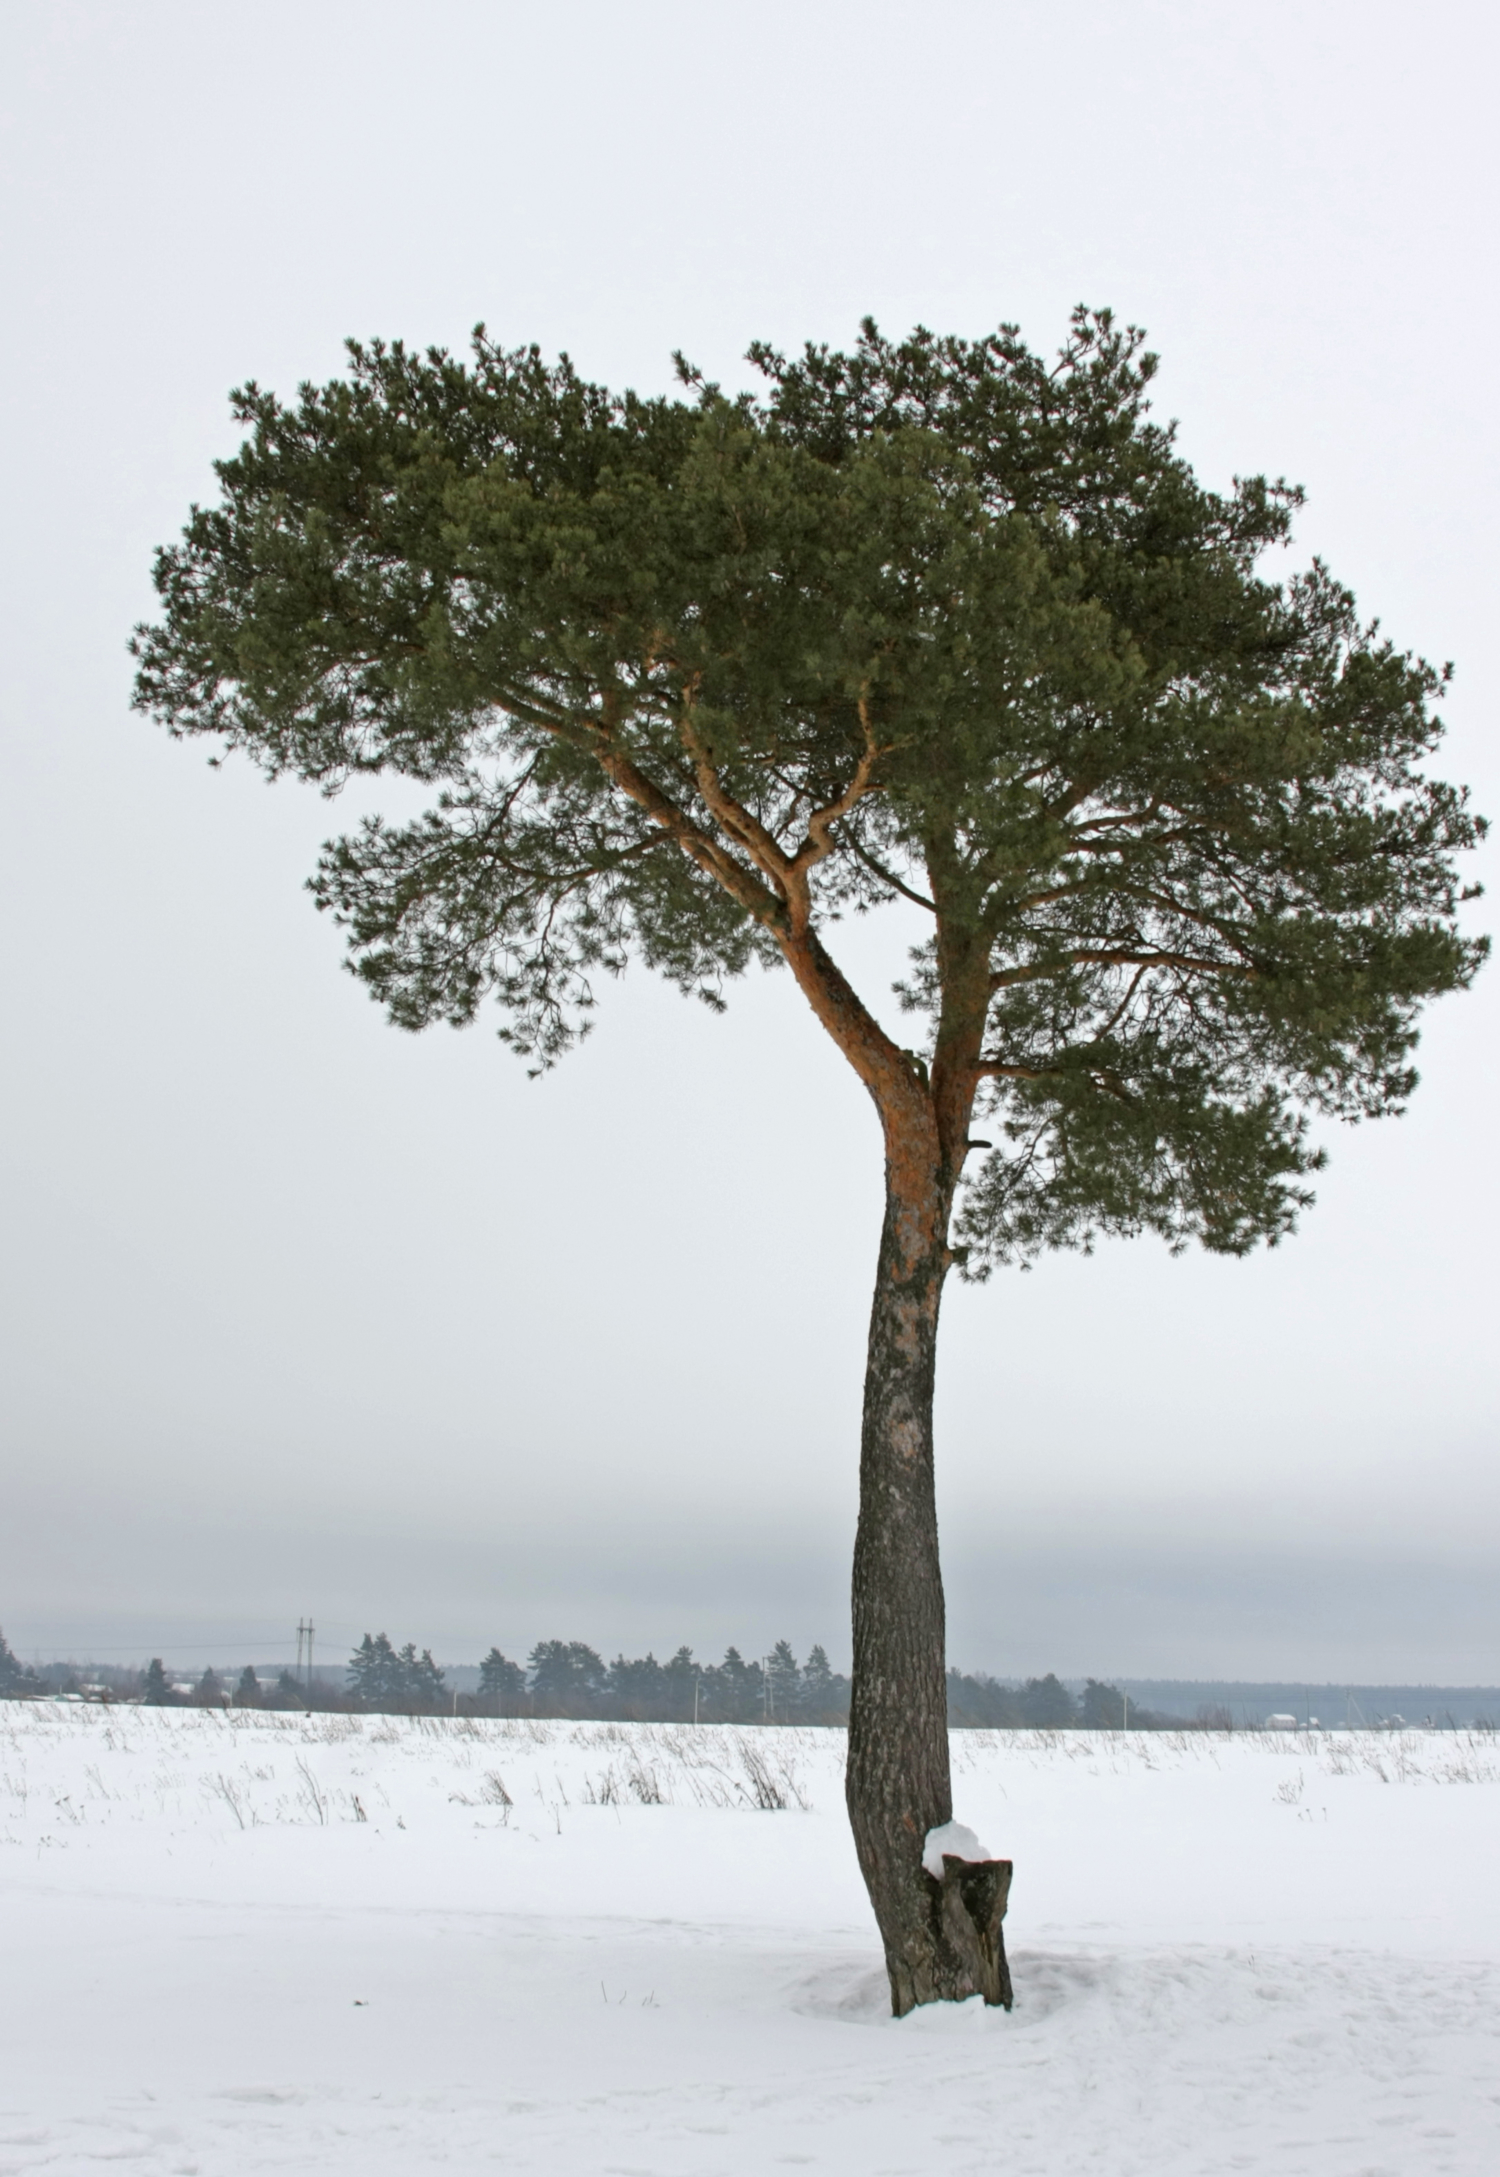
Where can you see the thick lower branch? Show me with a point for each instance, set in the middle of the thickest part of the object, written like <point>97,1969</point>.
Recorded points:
<point>886,1070</point>
<point>756,897</point>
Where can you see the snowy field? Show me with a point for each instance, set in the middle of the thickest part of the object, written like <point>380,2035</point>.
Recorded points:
<point>372,1946</point>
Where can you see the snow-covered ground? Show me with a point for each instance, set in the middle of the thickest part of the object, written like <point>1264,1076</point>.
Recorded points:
<point>378,1948</point>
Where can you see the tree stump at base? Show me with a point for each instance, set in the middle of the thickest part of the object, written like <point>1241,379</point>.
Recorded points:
<point>968,1906</point>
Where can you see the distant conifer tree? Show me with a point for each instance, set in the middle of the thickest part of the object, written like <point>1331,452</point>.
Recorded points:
<point>636,1688</point>
<point>978,1702</point>
<point>502,1684</point>
<point>421,1682</point>
<point>157,1691</point>
<point>209,1691</point>
<point>737,1689</point>
<point>374,1674</point>
<point>568,1678</point>
<point>783,1685</point>
<point>819,1700</point>
<point>247,1692</point>
<point>1103,1707</point>
<point>681,1682</point>
<point>16,1682</point>
<point>1046,1704</point>
<point>394,1680</point>
<point>360,1674</point>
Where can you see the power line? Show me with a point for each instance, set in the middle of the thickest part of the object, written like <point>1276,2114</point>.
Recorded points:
<point>138,1647</point>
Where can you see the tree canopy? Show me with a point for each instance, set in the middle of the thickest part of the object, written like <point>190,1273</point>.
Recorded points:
<point>938,621</point>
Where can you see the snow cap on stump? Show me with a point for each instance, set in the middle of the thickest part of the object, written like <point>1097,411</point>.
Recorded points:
<point>957,1840</point>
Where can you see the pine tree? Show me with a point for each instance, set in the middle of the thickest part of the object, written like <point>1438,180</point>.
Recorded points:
<point>209,1691</point>
<point>819,1699</point>
<point>361,1671</point>
<point>375,1675</point>
<point>247,1692</point>
<point>567,1678</point>
<point>681,1687</point>
<point>977,1702</point>
<point>783,1685</point>
<point>422,1685</point>
<point>1046,1704</point>
<point>637,1688</point>
<point>940,622</point>
<point>737,1688</point>
<point>502,1684</point>
<point>157,1691</point>
<point>16,1682</point>
<point>1103,1707</point>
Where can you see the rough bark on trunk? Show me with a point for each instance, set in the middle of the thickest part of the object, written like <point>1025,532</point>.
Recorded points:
<point>942,1939</point>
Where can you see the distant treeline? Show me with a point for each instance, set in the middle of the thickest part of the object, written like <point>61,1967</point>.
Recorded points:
<point>977,1702</point>
<point>569,1679</point>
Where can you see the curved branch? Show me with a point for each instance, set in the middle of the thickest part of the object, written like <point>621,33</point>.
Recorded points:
<point>886,876</point>
<point>818,843</point>
<point>1106,1078</point>
<point>740,883</point>
<point>737,820</point>
<point>1118,957</point>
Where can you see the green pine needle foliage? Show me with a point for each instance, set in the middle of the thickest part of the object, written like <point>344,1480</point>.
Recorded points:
<point>1177,811</point>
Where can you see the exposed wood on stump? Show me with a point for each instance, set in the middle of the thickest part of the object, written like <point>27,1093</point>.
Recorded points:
<point>967,1908</point>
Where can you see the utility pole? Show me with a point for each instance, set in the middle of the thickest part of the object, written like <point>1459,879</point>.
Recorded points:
<point>1124,1711</point>
<point>305,1633</point>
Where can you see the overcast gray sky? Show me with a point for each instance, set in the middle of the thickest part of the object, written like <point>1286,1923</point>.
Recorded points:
<point>302,1315</point>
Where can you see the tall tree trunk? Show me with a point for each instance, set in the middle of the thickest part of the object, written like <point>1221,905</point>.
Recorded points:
<point>942,1937</point>
<point>898,1784</point>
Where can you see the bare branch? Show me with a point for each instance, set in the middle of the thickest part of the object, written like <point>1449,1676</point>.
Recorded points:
<point>701,846</point>
<point>1046,899</point>
<point>1219,924</point>
<point>1120,1010</point>
<point>1120,957</point>
<point>740,883</point>
<point>538,711</point>
<point>1113,845</point>
<point>737,820</point>
<point>1105,1077</point>
<point>818,842</point>
<point>1037,972</point>
<point>1115,823</point>
<point>888,876</point>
